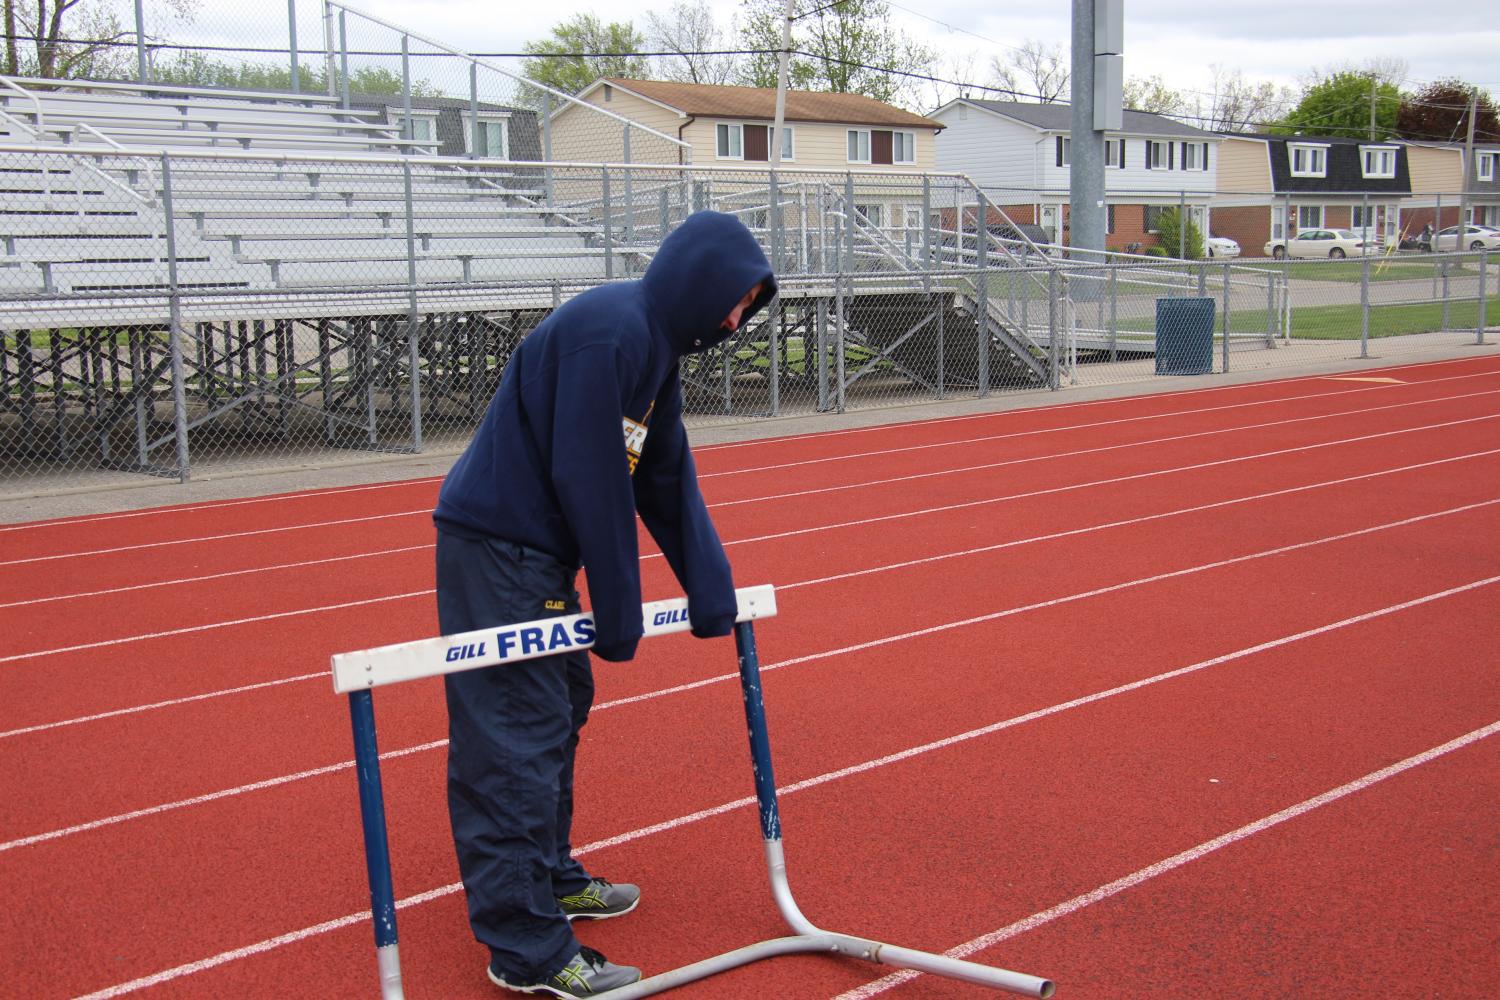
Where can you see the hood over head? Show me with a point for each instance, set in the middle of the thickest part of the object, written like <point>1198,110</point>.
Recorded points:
<point>701,271</point>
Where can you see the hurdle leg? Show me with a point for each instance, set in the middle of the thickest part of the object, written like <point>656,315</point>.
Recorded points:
<point>377,847</point>
<point>808,937</point>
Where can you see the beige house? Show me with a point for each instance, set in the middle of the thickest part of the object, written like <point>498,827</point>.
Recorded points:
<point>731,127</point>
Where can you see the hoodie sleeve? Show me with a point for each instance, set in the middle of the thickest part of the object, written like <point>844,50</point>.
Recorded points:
<point>670,504</point>
<point>592,480</point>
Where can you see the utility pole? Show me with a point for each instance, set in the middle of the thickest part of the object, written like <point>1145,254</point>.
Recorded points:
<point>786,51</point>
<point>1098,79</point>
<point>1374,84</point>
<point>1469,172</point>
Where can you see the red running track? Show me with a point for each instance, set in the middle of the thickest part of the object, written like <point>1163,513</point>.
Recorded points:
<point>1184,695</point>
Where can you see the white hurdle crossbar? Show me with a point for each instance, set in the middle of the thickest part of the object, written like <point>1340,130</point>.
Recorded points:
<point>355,674</point>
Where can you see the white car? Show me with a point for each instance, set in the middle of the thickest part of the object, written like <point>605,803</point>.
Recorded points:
<point>1335,243</point>
<point>1475,238</point>
<point>1222,246</point>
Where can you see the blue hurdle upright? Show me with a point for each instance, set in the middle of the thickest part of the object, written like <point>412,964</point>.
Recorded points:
<point>355,674</point>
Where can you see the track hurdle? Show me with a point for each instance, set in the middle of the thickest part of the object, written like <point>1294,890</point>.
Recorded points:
<point>355,674</point>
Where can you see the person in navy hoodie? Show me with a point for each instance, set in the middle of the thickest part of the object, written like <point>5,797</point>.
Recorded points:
<point>584,433</point>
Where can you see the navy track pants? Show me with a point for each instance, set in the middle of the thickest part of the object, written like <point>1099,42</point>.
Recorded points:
<point>513,733</point>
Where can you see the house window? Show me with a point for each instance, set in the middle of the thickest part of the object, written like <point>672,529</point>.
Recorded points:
<point>422,128</point>
<point>1114,152</point>
<point>731,141</point>
<point>1309,216</point>
<point>911,216</point>
<point>859,145</point>
<point>904,147</point>
<point>873,213</point>
<point>1153,217</point>
<point>1308,161</point>
<point>1064,151</point>
<point>1192,156</point>
<point>1484,163</point>
<point>609,94</point>
<point>1158,155</point>
<point>1109,219</point>
<point>494,136</point>
<point>1378,162</point>
<point>787,146</point>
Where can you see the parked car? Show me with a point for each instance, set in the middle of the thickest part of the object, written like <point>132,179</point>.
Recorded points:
<point>1333,243</point>
<point>1222,246</point>
<point>1474,238</point>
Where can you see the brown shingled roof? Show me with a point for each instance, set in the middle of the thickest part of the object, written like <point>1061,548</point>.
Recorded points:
<point>709,101</point>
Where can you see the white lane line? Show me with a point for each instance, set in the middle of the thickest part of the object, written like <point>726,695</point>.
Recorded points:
<point>216,504</point>
<point>254,786</point>
<point>215,576</point>
<point>1032,494</point>
<point>185,630</point>
<point>761,442</point>
<point>905,636</point>
<point>1071,906</point>
<point>900,479</point>
<point>1170,439</point>
<point>216,538</point>
<point>1095,403</point>
<point>171,703</point>
<point>270,944</point>
<point>1038,538</point>
<point>1040,431</point>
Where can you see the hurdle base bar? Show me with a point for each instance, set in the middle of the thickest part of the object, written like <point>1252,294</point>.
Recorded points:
<point>809,938</point>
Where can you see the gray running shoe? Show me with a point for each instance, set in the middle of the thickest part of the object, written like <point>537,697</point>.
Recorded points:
<point>587,974</point>
<point>600,900</point>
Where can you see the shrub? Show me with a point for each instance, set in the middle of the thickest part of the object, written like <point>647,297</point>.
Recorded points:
<point>1173,231</point>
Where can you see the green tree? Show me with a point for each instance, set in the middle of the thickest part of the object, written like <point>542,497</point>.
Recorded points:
<point>583,49</point>
<point>852,48</point>
<point>194,69</point>
<point>78,39</point>
<point>1173,231</point>
<point>1440,113</point>
<point>1339,105</point>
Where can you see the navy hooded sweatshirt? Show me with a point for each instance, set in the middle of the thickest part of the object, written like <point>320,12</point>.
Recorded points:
<point>586,431</point>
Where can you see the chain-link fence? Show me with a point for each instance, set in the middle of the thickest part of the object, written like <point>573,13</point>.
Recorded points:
<point>215,308</point>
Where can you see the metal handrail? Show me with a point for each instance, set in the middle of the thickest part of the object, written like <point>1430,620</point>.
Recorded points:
<point>495,67</point>
<point>40,115</point>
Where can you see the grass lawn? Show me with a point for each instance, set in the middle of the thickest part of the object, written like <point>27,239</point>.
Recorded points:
<point>1350,271</point>
<point>1342,322</point>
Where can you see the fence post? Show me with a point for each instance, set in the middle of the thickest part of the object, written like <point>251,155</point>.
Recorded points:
<point>1181,224</point>
<point>1053,379</point>
<point>476,131</point>
<point>413,332</point>
<point>291,37</point>
<point>609,233</point>
<point>822,354</point>
<point>1270,309</point>
<point>343,58</point>
<point>629,196</point>
<point>1364,306</point>
<point>140,42</point>
<point>406,123</point>
<point>926,234</point>
<point>1226,315</point>
<point>838,291</point>
<point>547,144</point>
<point>1484,257</point>
<point>774,319</point>
<point>982,259</point>
<point>174,335</point>
<point>1114,313</point>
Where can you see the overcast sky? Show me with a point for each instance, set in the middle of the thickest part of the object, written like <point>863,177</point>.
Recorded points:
<point>1178,40</point>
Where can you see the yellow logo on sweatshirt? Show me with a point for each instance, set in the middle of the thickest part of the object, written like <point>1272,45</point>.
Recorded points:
<point>635,438</point>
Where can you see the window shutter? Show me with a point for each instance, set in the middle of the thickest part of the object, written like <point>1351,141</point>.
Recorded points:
<point>880,146</point>
<point>1205,156</point>
<point>1148,154</point>
<point>1171,156</point>
<point>757,148</point>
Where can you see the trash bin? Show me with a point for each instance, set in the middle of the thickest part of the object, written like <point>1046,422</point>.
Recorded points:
<point>1184,336</point>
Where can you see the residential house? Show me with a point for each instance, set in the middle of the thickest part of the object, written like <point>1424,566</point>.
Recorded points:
<point>1273,186</point>
<point>731,126</point>
<point>1020,154</point>
<point>505,133</point>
